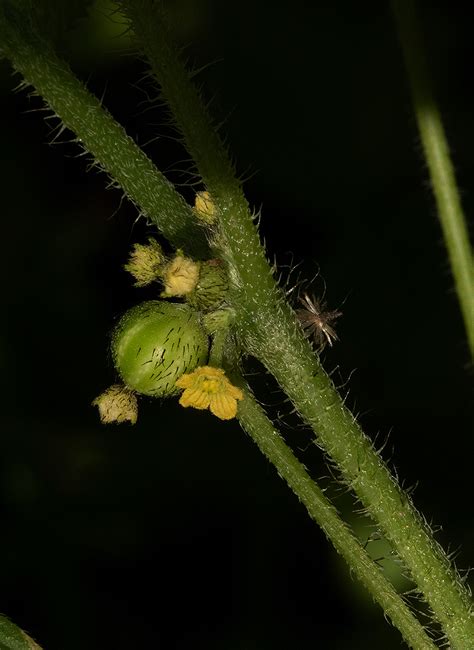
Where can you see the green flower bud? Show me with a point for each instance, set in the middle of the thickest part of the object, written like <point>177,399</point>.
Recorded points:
<point>220,319</point>
<point>155,343</point>
<point>211,288</point>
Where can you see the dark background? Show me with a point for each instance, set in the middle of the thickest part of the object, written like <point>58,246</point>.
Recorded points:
<point>177,533</point>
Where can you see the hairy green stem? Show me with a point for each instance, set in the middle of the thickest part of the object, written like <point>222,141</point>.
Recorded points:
<point>255,422</point>
<point>98,132</point>
<point>436,150</point>
<point>269,331</point>
<point>266,323</point>
<point>218,347</point>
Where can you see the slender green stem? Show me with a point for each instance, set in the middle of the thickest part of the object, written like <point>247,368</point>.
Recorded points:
<point>436,149</point>
<point>269,331</point>
<point>146,16</point>
<point>255,422</point>
<point>218,347</point>
<point>98,132</point>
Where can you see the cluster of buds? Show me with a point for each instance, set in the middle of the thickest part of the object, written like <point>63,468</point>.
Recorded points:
<point>160,348</point>
<point>202,284</point>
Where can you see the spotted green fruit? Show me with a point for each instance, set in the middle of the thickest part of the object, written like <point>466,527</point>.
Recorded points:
<point>155,343</point>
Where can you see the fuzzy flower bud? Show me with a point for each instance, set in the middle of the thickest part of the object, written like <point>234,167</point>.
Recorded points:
<point>146,262</point>
<point>180,276</point>
<point>211,288</point>
<point>205,207</point>
<point>117,404</point>
<point>217,320</point>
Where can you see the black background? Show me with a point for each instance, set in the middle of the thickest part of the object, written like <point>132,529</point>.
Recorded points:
<point>177,533</point>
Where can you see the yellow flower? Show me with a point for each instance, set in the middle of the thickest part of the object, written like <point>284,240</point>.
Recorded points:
<point>205,207</point>
<point>208,387</point>
<point>180,276</point>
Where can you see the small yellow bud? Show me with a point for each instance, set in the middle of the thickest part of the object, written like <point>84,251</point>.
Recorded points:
<point>180,276</point>
<point>146,262</point>
<point>205,207</point>
<point>117,404</point>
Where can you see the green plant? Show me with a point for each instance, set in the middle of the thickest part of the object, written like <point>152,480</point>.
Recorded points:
<point>263,323</point>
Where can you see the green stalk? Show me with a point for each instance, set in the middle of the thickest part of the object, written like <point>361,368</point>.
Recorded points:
<point>218,347</point>
<point>436,150</point>
<point>97,131</point>
<point>255,422</point>
<point>269,331</point>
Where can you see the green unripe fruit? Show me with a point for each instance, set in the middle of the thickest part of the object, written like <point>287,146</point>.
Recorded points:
<point>155,343</point>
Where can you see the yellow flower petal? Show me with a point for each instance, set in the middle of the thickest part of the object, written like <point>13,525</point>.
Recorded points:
<point>185,381</point>
<point>196,398</point>
<point>223,406</point>
<point>209,372</point>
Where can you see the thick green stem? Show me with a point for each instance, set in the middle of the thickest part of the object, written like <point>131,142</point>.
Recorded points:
<point>98,132</point>
<point>436,149</point>
<point>255,422</point>
<point>269,331</point>
<point>318,402</point>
